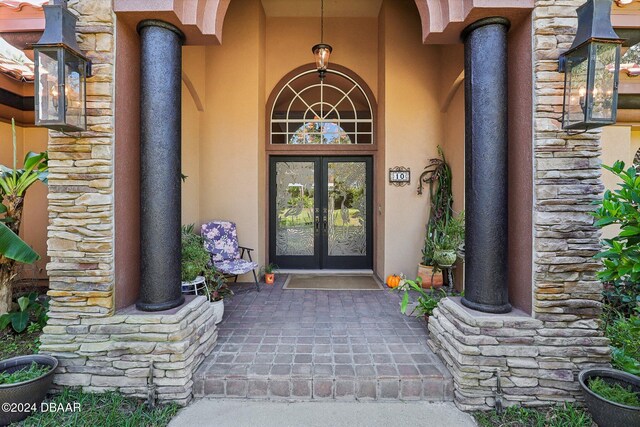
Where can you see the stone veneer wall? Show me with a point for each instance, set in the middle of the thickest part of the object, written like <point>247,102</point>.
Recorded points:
<point>97,349</point>
<point>115,353</point>
<point>539,357</point>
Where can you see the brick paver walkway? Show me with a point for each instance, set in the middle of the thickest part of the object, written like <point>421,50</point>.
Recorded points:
<point>306,344</point>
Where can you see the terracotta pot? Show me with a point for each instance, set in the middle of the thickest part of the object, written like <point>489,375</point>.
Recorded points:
<point>269,278</point>
<point>429,278</point>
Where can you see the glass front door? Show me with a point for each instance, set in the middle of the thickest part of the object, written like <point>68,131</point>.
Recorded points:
<point>321,212</point>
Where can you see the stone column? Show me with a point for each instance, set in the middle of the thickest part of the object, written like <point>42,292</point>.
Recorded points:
<point>160,134</point>
<point>485,65</point>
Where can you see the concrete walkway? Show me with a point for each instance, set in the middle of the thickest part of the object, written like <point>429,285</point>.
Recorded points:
<point>241,413</point>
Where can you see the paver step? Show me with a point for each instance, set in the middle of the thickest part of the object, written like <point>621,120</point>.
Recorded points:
<point>278,388</point>
<point>309,344</point>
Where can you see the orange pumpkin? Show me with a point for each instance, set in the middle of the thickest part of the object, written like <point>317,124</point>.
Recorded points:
<point>393,281</point>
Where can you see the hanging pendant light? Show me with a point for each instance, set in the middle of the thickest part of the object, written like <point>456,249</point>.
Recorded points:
<point>322,51</point>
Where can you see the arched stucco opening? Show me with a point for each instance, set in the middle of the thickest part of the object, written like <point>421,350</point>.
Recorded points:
<point>436,22</point>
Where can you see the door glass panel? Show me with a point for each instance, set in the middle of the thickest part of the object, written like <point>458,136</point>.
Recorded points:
<point>347,209</point>
<point>295,199</point>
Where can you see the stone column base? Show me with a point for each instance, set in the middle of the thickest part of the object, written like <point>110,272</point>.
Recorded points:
<point>538,361</point>
<point>115,353</point>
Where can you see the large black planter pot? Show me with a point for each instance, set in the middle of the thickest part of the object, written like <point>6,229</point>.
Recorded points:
<point>605,412</point>
<point>30,392</point>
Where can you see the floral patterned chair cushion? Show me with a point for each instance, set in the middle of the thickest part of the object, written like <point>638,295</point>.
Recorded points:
<point>221,240</point>
<point>235,266</point>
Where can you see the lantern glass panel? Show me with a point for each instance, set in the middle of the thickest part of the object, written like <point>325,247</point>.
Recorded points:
<point>322,57</point>
<point>605,56</point>
<point>48,86</point>
<point>74,74</point>
<point>576,79</point>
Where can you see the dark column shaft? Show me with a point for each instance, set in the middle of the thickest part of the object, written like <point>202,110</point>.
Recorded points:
<point>485,65</point>
<point>160,135</point>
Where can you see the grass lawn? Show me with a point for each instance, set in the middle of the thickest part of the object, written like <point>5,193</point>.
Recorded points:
<point>566,415</point>
<point>103,410</point>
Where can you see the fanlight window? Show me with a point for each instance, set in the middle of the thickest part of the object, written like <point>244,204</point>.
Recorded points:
<point>335,110</point>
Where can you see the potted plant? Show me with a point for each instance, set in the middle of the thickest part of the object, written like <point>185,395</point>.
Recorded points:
<point>425,303</point>
<point>269,271</point>
<point>195,257</point>
<point>612,396</point>
<point>24,382</point>
<point>449,237</point>
<point>437,175</point>
<point>218,291</point>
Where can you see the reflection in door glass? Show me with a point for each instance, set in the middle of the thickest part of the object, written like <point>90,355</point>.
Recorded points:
<point>294,208</point>
<point>347,209</point>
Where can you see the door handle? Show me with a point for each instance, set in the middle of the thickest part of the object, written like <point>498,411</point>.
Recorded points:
<point>317,224</point>
<point>324,223</point>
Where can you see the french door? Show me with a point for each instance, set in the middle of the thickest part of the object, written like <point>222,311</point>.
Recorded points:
<point>321,212</point>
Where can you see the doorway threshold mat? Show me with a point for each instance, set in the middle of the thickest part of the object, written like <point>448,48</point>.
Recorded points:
<point>332,282</point>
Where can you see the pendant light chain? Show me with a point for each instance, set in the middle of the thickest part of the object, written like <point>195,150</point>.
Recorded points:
<point>321,21</point>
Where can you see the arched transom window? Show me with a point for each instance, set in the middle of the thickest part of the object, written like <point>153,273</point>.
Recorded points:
<point>335,110</point>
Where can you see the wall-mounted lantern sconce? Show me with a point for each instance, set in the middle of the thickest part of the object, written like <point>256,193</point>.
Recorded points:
<point>61,71</point>
<point>591,68</point>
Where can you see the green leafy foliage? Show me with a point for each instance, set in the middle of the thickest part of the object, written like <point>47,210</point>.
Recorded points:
<point>217,285</point>
<point>437,175</point>
<point>614,392</point>
<point>29,308</point>
<point>426,301</point>
<point>621,254</point>
<point>196,261</point>
<point>13,247</point>
<point>566,415</point>
<point>110,409</point>
<point>270,268</point>
<point>195,257</point>
<point>624,334</point>
<point>25,374</point>
<point>14,344</point>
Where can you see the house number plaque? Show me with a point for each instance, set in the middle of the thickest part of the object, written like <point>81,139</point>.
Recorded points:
<point>399,176</point>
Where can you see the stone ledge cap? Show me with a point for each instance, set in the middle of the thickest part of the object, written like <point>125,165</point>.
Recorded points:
<point>515,318</point>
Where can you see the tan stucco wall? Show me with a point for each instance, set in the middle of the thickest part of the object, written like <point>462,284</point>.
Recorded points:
<point>618,143</point>
<point>193,69</point>
<point>231,173</point>
<point>413,129</point>
<point>34,222</point>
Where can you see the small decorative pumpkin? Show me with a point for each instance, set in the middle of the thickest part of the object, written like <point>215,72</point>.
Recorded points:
<point>393,281</point>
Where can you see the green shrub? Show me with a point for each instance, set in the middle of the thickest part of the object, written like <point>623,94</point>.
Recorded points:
<point>621,254</point>
<point>614,392</point>
<point>24,374</point>
<point>194,256</point>
<point>624,334</point>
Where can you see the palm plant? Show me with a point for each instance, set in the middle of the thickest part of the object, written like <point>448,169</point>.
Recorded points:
<point>14,183</point>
